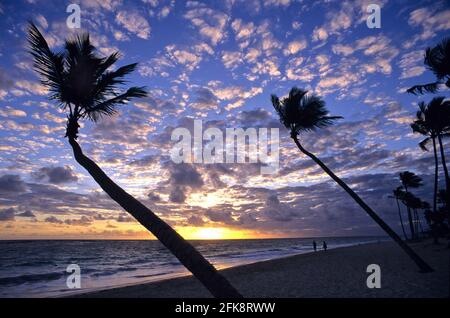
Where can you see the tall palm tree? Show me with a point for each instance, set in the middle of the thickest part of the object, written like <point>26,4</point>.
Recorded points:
<point>442,116</point>
<point>410,180</point>
<point>301,112</point>
<point>437,59</point>
<point>433,120</point>
<point>80,82</point>
<point>398,195</point>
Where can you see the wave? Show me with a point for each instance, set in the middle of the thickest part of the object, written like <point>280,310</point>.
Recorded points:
<point>16,280</point>
<point>153,275</point>
<point>114,271</point>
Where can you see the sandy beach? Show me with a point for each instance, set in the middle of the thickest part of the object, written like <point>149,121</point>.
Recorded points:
<point>338,273</point>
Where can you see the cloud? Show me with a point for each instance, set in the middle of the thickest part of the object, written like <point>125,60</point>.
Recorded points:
<point>191,57</point>
<point>195,221</point>
<point>125,218</point>
<point>319,34</point>
<point>184,174</point>
<point>410,63</point>
<point>224,217</point>
<point>101,4</point>
<point>27,87</point>
<point>83,221</point>
<point>277,3</point>
<point>7,215</point>
<point>154,197</point>
<point>42,21</point>
<point>177,195</point>
<point>134,23</point>
<point>344,50</point>
<point>232,59</point>
<point>294,47</point>
<point>8,111</point>
<point>27,214</point>
<point>53,219</point>
<point>12,183</point>
<point>211,23</point>
<point>56,175</point>
<point>242,30</point>
<point>205,99</point>
<point>431,20</point>
<point>233,92</point>
<point>266,67</point>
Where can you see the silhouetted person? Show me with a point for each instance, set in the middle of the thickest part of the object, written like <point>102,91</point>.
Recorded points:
<point>315,246</point>
<point>324,245</point>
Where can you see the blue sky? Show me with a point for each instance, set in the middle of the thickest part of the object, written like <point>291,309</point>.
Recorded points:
<point>218,61</point>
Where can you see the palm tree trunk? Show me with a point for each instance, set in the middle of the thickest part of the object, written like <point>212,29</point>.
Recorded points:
<point>420,226</point>
<point>410,217</point>
<point>401,219</point>
<point>435,176</point>
<point>447,178</point>
<point>444,164</point>
<point>424,267</point>
<point>410,221</point>
<point>184,251</point>
<point>416,223</point>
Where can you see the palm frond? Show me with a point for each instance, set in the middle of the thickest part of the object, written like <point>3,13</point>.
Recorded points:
<point>110,79</point>
<point>79,49</point>
<point>425,88</point>
<point>108,62</point>
<point>423,144</point>
<point>410,179</point>
<point>108,107</point>
<point>302,112</point>
<point>437,59</point>
<point>49,65</point>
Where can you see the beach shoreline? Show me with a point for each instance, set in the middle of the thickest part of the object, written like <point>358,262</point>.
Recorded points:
<point>339,272</point>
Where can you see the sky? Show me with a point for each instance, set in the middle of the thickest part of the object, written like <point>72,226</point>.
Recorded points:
<point>219,62</point>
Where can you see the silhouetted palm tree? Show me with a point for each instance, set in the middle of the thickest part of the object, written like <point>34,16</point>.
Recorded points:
<point>301,112</point>
<point>79,80</point>
<point>416,204</point>
<point>398,195</point>
<point>437,59</point>
<point>433,121</point>
<point>410,180</point>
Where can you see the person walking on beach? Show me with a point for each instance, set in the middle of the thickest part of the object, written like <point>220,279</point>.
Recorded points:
<point>324,245</point>
<point>315,246</point>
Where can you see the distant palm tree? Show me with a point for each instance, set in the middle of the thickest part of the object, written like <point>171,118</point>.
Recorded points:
<point>79,80</point>
<point>301,112</point>
<point>398,195</point>
<point>433,120</point>
<point>437,59</point>
<point>415,205</point>
<point>410,180</point>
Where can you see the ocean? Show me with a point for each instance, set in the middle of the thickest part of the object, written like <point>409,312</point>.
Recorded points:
<point>38,268</point>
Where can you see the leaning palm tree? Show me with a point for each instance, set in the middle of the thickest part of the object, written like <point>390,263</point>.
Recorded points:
<point>410,180</point>
<point>79,80</point>
<point>433,120</point>
<point>300,112</point>
<point>398,194</point>
<point>437,59</point>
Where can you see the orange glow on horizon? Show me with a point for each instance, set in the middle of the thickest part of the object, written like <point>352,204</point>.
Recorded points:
<point>22,229</point>
<point>214,233</point>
